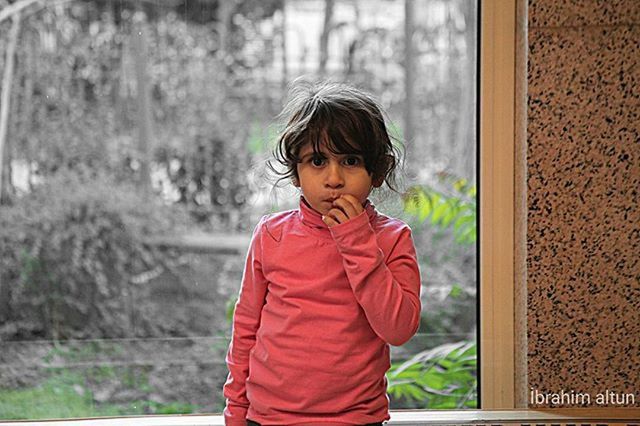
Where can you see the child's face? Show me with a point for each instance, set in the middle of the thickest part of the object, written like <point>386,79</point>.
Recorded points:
<point>325,176</point>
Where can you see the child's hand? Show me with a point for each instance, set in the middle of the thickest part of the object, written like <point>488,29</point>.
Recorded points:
<point>344,208</point>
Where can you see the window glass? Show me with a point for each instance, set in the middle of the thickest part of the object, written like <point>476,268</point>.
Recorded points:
<point>134,136</point>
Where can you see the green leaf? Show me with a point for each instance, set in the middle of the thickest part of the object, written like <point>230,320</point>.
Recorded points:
<point>230,309</point>
<point>456,213</point>
<point>472,192</point>
<point>444,376</point>
<point>463,220</point>
<point>460,185</point>
<point>425,204</point>
<point>456,291</point>
<point>255,142</point>
<point>438,212</point>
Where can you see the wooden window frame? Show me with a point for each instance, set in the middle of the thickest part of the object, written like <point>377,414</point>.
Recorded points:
<point>502,236</point>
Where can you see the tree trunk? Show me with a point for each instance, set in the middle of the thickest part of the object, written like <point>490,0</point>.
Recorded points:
<point>451,116</point>
<point>26,111</point>
<point>123,83</point>
<point>349,65</point>
<point>283,46</point>
<point>324,37</point>
<point>5,289</point>
<point>215,146</point>
<point>7,80</point>
<point>465,132</point>
<point>409,77</point>
<point>14,9</point>
<point>143,104</point>
<point>12,139</point>
<point>225,11</point>
<point>118,94</point>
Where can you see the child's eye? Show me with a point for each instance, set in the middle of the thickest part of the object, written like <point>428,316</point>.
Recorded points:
<point>352,161</point>
<point>317,161</point>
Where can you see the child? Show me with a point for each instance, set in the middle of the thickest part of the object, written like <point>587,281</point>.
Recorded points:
<point>328,286</point>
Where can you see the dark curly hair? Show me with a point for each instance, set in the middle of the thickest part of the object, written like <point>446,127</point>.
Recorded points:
<point>345,119</point>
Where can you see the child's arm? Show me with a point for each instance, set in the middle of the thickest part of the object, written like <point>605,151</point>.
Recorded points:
<point>246,321</point>
<point>389,293</point>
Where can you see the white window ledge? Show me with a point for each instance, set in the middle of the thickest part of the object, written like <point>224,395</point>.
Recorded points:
<point>596,416</point>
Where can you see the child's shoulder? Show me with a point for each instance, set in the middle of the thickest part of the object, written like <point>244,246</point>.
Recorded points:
<point>274,223</point>
<point>279,217</point>
<point>384,223</point>
<point>390,232</point>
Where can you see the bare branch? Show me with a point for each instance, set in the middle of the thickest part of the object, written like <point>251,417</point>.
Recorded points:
<point>16,7</point>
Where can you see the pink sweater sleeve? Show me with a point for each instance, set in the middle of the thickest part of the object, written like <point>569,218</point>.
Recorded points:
<point>388,292</point>
<point>246,321</point>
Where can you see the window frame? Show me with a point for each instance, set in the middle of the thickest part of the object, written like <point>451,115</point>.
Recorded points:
<point>502,218</point>
<point>502,236</point>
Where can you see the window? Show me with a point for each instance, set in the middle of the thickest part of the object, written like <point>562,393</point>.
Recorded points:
<point>126,334</point>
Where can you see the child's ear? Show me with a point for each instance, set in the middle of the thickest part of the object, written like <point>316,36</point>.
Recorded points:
<point>295,181</point>
<point>377,183</point>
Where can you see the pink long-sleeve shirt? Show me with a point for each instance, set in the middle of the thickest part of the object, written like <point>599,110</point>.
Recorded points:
<point>317,310</point>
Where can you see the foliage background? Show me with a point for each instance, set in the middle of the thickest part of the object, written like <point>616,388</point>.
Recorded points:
<point>93,316</point>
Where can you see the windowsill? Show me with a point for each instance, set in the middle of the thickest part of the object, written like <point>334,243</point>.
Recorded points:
<point>398,417</point>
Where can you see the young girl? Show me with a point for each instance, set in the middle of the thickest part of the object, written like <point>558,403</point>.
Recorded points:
<point>329,286</point>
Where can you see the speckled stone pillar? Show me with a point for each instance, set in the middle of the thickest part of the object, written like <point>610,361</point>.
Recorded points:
<point>583,199</point>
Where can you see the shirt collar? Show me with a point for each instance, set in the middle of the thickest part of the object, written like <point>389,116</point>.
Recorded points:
<point>313,218</point>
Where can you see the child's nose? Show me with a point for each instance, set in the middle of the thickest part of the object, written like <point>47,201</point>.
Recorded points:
<point>334,177</point>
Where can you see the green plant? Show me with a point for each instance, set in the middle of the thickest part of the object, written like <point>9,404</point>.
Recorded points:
<point>82,352</point>
<point>65,395</point>
<point>230,308</point>
<point>456,210</point>
<point>66,392</point>
<point>443,377</point>
<point>58,397</point>
<point>172,408</point>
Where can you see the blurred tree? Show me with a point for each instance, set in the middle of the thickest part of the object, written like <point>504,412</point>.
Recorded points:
<point>283,48</point>
<point>464,154</point>
<point>24,119</point>
<point>324,36</point>
<point>4,117</point>
<point>77,101</point>
<point>145,129</point>
<point>409,77</point>
<point>8,9</point>
<point>5,106</point>
<point>212,74</point>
